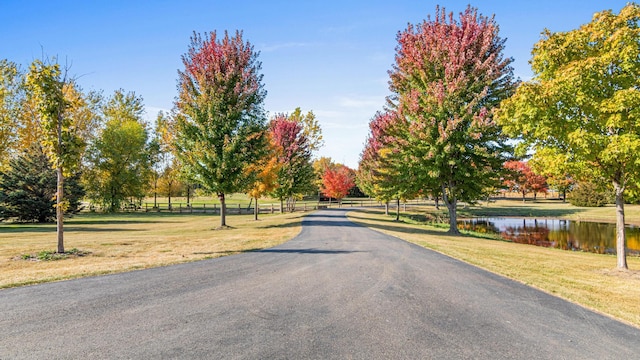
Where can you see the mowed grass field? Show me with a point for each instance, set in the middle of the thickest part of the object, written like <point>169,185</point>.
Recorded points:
<point>123,242</point>
<point>587,279</point>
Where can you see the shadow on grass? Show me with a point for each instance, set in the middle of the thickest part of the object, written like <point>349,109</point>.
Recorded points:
<point>23,228</point>
<point>112,222</point>
<point>51,228</point>
<point>421,221</point>
<point>517,211</point>
<point>390,225</point>
<point>93,229</point>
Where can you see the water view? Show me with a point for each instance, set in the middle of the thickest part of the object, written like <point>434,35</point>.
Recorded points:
<point>561,234</point>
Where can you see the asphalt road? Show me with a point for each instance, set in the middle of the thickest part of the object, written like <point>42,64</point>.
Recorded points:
<point>337,291</point>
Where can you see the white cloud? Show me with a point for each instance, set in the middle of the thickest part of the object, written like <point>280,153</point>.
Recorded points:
<point>360,102</point>
<point>280,46</point>
<point>151,113</point>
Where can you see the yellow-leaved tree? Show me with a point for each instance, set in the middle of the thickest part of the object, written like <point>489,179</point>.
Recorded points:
<point>582,108</point>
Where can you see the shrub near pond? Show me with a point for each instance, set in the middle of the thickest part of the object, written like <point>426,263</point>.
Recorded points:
<point>590,195</point>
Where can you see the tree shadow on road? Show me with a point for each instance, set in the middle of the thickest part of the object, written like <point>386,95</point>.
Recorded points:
<point>306,251</point>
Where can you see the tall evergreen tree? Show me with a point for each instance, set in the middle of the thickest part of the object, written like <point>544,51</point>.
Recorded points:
<point>29,188</point>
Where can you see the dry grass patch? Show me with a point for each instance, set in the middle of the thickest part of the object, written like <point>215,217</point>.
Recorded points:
<point>122,242</point>
<point>584,278</point>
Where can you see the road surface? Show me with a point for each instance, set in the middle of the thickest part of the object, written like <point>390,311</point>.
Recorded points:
<point>337,291</point>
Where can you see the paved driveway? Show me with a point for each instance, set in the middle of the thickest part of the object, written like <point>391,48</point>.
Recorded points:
<point>337,291</point>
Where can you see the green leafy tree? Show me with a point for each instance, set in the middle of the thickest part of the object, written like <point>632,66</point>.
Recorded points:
<point>29,187</point>
<point>589,194</point>
<point>169,183</point>
<point>311,128</point>
<point>448,77</point>
<point>295,175</point>
<point>584,103</point>
<point>11,99</point>
<point>556,167</point>
<point>58,119</point>
<point>219,119</point>
<point>119,159</point>
<point>382,173</point>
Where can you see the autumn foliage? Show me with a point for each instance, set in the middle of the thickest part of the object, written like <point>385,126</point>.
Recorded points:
<point>220,120</point>
<point>336,182</point>
<point>449,76</point>
<point>292,147</point>
<point>521,178</point>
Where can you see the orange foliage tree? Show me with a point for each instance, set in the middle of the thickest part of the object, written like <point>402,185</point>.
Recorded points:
<point>336,182</point>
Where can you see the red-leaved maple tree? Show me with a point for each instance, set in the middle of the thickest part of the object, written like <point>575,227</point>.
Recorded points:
<point>219,114</point>
<point>293,152</point>
<point>449,76</point>
<point>337,182</point>
<point>521,178</point>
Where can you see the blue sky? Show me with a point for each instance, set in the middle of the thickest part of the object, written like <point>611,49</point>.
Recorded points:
<point>328,56</point>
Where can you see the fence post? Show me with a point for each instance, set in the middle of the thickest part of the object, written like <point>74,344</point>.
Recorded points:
<point>272,208</point>
<point>180,208</point>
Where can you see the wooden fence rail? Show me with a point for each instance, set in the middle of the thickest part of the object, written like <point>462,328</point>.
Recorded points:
<point>264,208</point>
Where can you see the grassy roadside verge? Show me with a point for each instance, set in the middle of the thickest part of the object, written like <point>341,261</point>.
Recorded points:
<point>583,278</point>
<point>124,242</point>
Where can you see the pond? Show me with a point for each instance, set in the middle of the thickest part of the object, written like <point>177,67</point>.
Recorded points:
<point>562,234</point>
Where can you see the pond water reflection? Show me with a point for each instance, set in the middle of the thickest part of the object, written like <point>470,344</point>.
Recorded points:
<point>562,234</point>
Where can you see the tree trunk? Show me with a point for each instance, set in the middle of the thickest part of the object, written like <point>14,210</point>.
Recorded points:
<point>452,205</point>
<point>281,206</point>
<point>386,208</point>
<point>255,210</point>
<point>223,210</point>
<point>398,209</point>
<point>621,250</point>
<point>564,196</point>
<point>155,193</point>
<point>523,196</point>
<point>437,201</point>
<point>188,195</point>
<point>60,210</point>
